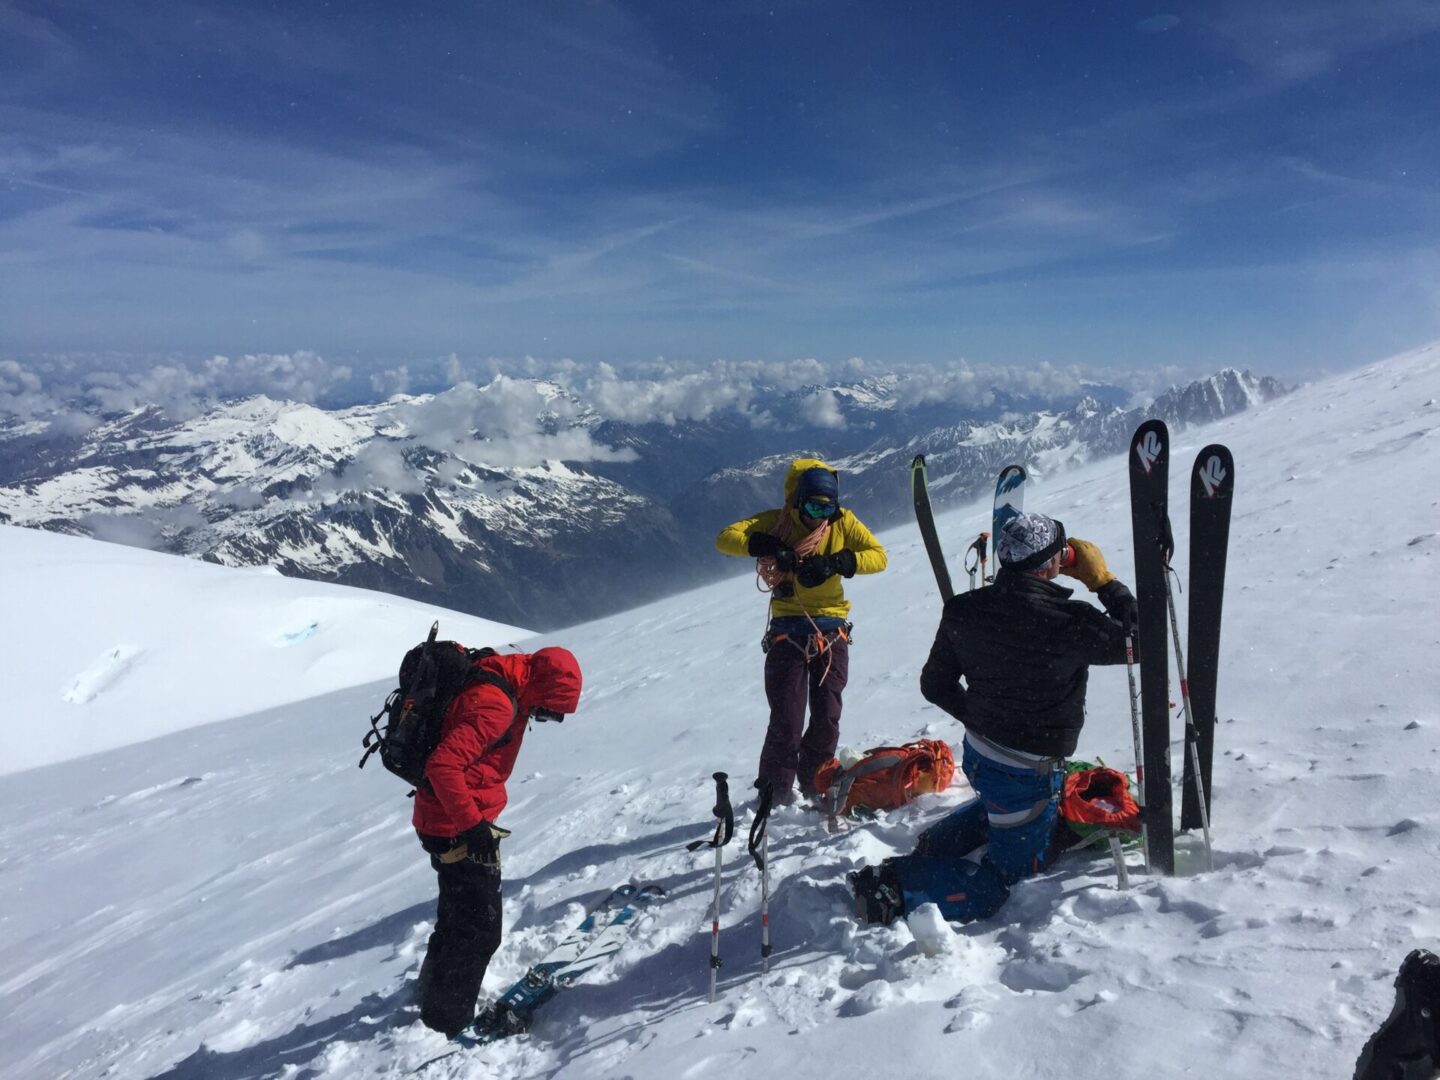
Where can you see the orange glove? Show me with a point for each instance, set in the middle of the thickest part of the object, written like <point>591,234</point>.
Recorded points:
<point>1089,565</point>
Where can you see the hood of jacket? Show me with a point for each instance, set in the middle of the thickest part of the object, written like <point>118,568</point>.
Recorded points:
<point>548,678</point>
<point>798,468</point>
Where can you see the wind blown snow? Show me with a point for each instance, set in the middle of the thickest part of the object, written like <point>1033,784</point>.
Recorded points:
<point>238,900</point>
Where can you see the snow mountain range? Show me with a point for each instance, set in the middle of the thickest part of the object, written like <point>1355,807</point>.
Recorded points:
<point>429,497</point>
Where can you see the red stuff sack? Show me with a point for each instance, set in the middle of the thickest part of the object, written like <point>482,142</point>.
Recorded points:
<point>1100,799</point>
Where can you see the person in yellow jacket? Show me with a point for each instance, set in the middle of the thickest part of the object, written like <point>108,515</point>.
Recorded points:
<point>804,549</point>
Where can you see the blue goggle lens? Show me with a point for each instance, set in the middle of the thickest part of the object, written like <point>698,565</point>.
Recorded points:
<point>818,510</point>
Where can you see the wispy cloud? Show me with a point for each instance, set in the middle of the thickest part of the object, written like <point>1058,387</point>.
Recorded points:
<point>1299,39</point>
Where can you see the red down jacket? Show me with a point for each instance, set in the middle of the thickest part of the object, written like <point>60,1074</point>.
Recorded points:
<point>467,775</point>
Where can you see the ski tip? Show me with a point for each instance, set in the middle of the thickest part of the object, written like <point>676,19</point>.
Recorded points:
<point>918,462</point>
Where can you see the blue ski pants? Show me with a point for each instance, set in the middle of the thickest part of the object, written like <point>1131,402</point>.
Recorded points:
<point>1015,812</point>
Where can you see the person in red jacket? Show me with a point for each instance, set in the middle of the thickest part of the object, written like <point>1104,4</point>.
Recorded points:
<point>480,739</point>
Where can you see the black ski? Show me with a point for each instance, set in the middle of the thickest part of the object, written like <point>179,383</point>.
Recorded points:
<point>925,518</point>
<point>1150,523</point>
<point>1212,484</point>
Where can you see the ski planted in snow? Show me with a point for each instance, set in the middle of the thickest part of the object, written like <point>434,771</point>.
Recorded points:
<point>1149,518</point>
<point>582,951</point>
<point>1212,485</point>
<point>925,518</point>
<point>1009,503</point>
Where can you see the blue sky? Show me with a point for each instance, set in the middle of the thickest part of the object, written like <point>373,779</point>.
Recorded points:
<point>1106,185</point>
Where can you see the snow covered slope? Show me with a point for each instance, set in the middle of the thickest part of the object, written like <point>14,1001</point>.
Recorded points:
<point>107,645</point>
<point>238,900</point>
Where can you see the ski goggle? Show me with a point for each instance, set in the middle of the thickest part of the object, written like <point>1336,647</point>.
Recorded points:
<point>543,715</point>
<point>819,510</point>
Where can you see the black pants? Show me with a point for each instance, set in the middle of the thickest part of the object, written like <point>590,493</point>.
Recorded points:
<point>466,935</point>
<point>793,749</point>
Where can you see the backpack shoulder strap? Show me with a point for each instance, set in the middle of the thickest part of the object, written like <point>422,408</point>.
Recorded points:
<point>480,677</point>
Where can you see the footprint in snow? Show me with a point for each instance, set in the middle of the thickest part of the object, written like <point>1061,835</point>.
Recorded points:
<point>719,1064</point>
<point>1039,974</point>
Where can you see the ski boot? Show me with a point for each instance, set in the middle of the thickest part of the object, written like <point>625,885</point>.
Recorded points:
<point>878,898</point>
<point>1407,1044</point>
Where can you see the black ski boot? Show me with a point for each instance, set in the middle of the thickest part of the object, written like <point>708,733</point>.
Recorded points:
<point>1407,1045</point>
<point>878,897</point>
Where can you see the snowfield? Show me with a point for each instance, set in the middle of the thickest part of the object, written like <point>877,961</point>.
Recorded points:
<point>238,900</point>
<point>109,645</point>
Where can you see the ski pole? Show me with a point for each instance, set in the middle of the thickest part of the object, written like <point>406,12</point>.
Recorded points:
<point>1120,872</point>
<point>760,838</point>
<point>724,830</point>
<point>1139,747</point>
<point>977,550</point>
<point>1191,735</point>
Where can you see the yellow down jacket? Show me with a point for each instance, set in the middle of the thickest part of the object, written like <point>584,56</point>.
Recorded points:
<point>846,531</point>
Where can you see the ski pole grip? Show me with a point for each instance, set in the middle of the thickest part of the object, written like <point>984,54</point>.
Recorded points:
<point>725,827</point>
<point>722,794</point>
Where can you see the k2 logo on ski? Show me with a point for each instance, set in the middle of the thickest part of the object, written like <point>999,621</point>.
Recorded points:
<point>1212,475</point>
<point>1149,449</point>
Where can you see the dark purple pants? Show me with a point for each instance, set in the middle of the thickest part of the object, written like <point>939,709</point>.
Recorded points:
<point>791,748</point>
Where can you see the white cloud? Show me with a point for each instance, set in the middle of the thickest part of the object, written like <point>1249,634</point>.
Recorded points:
<point>822,409</point>
<point>1303,38</point>
<point>508,423</point>
<point>100,385</point>
<point>152,529</point>
<point>526,411</point>
<point>379,465</point>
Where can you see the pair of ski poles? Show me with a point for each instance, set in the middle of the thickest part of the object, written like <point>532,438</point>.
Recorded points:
<point>759,848</point>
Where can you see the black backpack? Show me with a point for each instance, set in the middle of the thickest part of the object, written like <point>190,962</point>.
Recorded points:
<point>431,675</point>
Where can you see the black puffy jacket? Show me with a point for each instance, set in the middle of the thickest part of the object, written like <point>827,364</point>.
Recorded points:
<point>1024,649</point>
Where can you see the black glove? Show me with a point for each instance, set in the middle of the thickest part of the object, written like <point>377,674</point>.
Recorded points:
<point>1120,604</point>
<point>818,569</point>
<point>763,544</point>
<point>481,844</point>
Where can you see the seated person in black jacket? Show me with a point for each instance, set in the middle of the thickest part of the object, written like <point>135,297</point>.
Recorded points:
<point>1023,648</point>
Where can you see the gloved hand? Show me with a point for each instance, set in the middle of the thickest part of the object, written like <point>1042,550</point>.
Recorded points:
<point>482,843</point>
<point>818,569</point>
<point>1119,604</point>
<point>762,544</point>
<point>1089,565</point>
